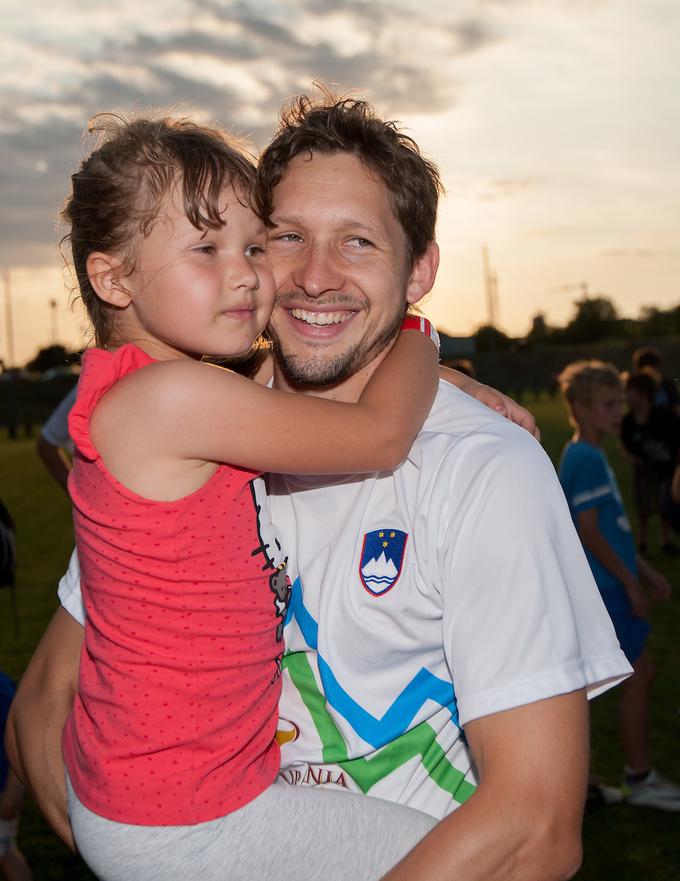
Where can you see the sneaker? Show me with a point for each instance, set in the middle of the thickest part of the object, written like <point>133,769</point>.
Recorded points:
<point>603,794</point>
<point>653,791</point>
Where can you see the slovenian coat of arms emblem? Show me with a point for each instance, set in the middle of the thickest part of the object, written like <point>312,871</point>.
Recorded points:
<point>382,558</point>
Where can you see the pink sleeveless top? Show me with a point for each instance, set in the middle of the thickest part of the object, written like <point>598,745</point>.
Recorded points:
<point>177,703</point>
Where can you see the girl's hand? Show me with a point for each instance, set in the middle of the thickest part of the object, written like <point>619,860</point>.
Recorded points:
<point>493,399</point>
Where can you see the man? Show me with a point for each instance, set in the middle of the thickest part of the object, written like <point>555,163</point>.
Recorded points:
<point>452,592</point>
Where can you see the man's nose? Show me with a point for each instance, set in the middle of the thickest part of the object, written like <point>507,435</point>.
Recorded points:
<point>317,271</point>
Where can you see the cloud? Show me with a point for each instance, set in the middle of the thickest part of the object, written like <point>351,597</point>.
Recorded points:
<point>642,253</point>
<point>233,62</point>
<point>506,188</point>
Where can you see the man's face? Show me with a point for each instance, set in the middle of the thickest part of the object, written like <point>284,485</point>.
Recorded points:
<point>341,270</point>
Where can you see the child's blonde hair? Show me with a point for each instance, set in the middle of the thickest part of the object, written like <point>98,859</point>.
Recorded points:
<point>580,379</point>
<point>118,189</point>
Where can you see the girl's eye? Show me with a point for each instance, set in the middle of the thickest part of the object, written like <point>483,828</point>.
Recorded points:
<point>255,250</point>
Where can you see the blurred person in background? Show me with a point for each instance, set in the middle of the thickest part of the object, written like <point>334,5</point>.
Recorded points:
<point>650,435</point>
<point>592,392</point>
<point>667,395</point>
<point>54,445</point>
<point>13,865</point>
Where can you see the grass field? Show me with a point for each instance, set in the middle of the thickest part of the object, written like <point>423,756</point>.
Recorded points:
<point>621,842</point>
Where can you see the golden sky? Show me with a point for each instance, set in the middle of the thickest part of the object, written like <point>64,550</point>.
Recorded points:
<point>556,126</point>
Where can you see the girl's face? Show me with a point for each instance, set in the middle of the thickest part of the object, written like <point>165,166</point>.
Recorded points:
<point>200,292</point>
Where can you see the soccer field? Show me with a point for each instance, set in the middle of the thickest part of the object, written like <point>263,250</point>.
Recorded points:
<point>621,842</point>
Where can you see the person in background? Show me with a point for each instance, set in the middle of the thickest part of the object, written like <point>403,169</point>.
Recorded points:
<point>592,391</point>
<point>667,395</point>
<point>13,865</point>
<point>651,438</point>
<point>54,445</point>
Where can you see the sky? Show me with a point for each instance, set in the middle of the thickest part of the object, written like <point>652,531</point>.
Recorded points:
<point>555,123</point>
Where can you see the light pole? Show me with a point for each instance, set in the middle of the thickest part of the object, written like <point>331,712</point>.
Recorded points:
<point>9,322</point>
<point>53,308</point>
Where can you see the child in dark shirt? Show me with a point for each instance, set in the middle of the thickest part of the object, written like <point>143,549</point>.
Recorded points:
<point>651,436</point>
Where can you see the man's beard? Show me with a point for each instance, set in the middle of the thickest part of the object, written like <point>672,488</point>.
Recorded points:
<point>305,371</point>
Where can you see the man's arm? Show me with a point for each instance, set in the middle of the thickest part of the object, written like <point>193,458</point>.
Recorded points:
<point>524,821</point>
<point>493,399</point>
<point>36,718</point>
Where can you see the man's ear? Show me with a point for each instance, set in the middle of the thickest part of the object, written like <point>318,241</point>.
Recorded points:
<point>105,272</point>
<point>423,274</point>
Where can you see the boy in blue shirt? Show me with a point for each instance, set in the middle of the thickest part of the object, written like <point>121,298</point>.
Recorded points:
<point>593,394</point>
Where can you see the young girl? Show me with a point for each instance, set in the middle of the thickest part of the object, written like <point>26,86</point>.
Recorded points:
<point>170,748</point>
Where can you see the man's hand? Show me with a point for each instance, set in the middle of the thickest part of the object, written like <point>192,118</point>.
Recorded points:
<point>524,821</point>
<point>493,399</point>
<point>37,715</point>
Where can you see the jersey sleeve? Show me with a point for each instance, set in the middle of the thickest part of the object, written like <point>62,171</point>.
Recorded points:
<point>70,596</point>
<point>588,482</point>
<point>523,619</point>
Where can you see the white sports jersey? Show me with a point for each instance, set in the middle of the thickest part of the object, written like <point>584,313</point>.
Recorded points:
<point>453,588</point>
<point>450,589</point>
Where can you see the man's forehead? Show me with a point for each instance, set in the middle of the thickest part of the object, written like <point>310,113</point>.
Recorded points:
<point>337,185</point>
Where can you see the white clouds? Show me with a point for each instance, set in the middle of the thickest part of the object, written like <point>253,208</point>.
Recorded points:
<point>559,118</point>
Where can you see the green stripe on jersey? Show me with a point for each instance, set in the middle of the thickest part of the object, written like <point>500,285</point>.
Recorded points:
<point>420,740</point>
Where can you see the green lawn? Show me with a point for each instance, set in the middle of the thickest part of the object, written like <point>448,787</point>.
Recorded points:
<point>621,843</point>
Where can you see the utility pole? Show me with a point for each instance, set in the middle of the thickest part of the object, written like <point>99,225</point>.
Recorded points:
<point>491,288</point>
<point>9,323</point>
<point>55,334</point>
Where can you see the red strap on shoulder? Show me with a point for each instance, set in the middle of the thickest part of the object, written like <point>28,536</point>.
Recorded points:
<point>419,322</point>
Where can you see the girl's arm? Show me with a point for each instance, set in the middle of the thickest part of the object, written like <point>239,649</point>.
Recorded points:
<point>204,413</point>
<point>493,399</point>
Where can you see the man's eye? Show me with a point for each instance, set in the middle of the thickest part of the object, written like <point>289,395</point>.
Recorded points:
<point>205,248</point>
<point>286,237</point>
<point>359,242</point>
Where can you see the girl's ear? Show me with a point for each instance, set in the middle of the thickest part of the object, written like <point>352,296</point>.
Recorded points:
<point>105,272</point>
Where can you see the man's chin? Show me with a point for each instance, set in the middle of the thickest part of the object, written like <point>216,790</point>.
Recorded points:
<point>311,369</point>
<point>314,372</point>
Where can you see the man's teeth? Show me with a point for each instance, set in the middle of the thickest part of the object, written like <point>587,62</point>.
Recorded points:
<point>320,318</point>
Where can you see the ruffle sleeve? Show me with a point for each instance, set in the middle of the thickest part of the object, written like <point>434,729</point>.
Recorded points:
<point>100,370</point>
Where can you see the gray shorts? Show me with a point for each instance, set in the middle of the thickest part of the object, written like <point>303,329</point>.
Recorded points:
<point>288,832</point>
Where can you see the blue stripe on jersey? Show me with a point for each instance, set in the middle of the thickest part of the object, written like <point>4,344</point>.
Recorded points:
<point>424,686</point>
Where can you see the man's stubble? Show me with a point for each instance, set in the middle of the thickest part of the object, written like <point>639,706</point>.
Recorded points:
<point>317,372</point>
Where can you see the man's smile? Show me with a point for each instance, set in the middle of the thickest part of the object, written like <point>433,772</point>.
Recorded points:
<point>321,318</point>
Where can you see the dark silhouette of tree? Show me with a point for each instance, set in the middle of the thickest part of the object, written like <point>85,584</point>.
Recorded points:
<point>595,318</point>
<point>655,322</point>
<point>540,331</point>
<point>51,356</point>
<point>489,338</point>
